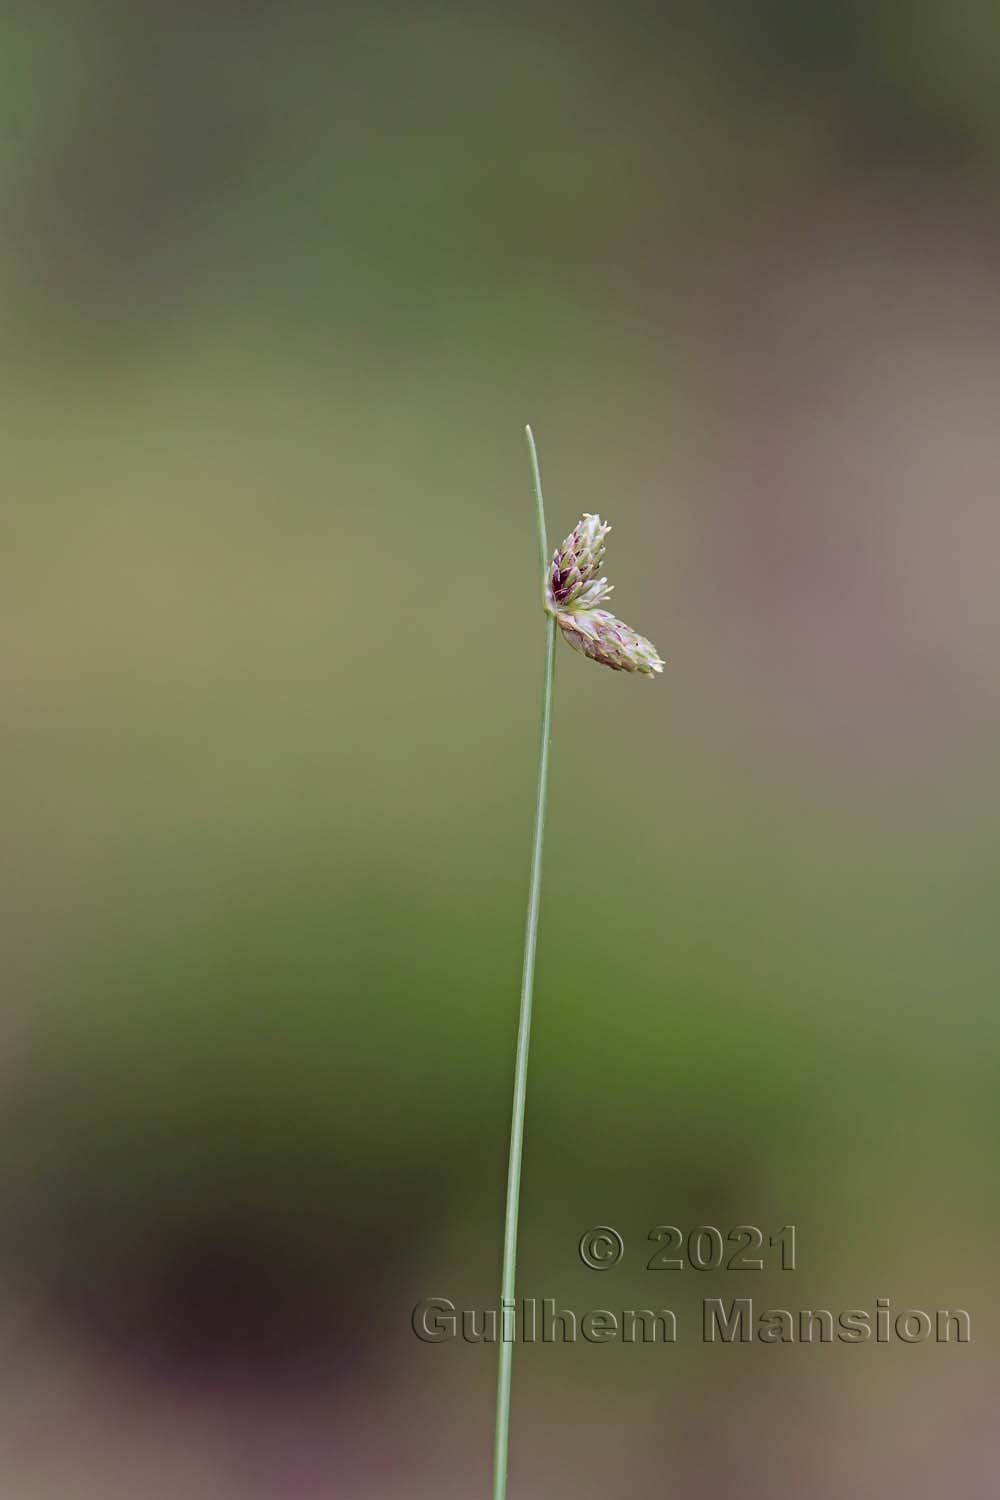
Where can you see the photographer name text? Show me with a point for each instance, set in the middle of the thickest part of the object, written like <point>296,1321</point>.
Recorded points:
<point>734,1320</point>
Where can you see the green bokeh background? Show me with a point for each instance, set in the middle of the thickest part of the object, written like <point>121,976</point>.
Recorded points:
<point>281,286</point>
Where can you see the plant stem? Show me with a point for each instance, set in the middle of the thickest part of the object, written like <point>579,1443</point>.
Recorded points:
<point>507,1279</point>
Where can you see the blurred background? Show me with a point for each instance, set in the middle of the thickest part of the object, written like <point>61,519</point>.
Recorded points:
<point>281,285</point>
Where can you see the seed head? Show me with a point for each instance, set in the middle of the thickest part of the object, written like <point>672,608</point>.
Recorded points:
<point>573,582</point>
<point>573,592</point>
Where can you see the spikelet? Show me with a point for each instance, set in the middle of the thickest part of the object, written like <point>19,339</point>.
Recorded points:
<point>573,593</point>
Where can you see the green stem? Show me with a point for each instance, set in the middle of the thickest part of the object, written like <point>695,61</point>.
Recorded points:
<point>507,1279</point>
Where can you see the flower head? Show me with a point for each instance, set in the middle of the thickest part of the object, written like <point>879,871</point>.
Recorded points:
<point>573,592</point>
<point>573,582</point>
